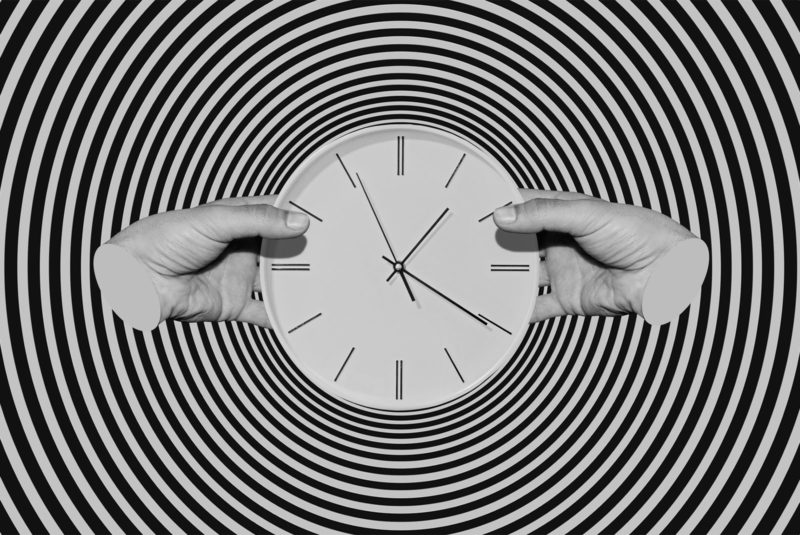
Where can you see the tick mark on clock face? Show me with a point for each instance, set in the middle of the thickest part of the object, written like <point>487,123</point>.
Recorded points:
<point>510,267</point>
<point>401,155</point>
<point>487,216</point>
<point>344,364</point>
<point>398,379</point>
<point>495,324</point>
<point>304,210</point>
<point>454,364</point>
<point>455,170</point>
<point>345,169</point>
<point>309,320</point>
<point>290,267</point>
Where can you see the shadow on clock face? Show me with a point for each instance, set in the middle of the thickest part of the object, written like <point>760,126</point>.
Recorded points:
<point>289,248</point>
<point>513,241</point>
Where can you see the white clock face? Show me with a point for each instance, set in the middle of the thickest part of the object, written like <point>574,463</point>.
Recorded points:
<point>412,205</point>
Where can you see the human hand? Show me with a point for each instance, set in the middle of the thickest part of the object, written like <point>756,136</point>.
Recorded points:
<point>603,258</point>
<point>203,261</point>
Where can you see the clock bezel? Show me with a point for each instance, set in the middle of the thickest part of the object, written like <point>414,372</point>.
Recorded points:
<point>312,375</point>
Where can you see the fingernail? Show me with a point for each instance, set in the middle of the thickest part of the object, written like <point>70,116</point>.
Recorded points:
<point>296,220</point>
<point>505,215</point>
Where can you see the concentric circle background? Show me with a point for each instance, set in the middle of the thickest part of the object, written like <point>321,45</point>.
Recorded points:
<point>109,113</point>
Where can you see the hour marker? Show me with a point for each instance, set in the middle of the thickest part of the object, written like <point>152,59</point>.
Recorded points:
<point>454,364</point>
<point>304,210</point>
<point>291,267</point>
<point>455,170</point>
<point>487,216</point>
<point>345,169</point>
<point>401,155</point>
<point>344,364</point>
<point>312,318</point>
<point>510,267</point>
<point>398,379</point>
<point>495,324</point>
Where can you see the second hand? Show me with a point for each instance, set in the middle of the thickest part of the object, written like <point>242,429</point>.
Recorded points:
<point>386,239</point>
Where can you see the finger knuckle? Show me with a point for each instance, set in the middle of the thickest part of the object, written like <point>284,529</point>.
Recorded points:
<point>266,213</point>
<point>214,211</point>
<point>538,207</point>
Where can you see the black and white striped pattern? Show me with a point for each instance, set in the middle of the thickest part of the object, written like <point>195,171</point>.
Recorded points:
<point>109,113</point>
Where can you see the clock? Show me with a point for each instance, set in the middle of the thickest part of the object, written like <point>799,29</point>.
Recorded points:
<point>402,294</point>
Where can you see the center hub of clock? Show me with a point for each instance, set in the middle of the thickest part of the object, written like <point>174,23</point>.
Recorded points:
<point>398,266</point>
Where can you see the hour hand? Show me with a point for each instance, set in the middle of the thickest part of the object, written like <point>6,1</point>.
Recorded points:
<point>419,242</point>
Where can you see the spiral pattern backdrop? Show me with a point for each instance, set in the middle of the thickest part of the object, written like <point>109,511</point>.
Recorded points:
<point>111,112</point>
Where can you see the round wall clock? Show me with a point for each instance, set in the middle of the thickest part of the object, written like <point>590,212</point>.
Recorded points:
<point>403,293</point>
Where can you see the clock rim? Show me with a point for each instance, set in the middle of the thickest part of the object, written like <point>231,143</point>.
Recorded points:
<point>282,202</point>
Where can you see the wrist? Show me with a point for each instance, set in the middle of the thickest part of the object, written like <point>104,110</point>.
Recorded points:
<point>675,280</point>
<point>127,286</point>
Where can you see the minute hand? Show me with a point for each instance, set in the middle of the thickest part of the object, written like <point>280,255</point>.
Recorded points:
<point>440,294</point>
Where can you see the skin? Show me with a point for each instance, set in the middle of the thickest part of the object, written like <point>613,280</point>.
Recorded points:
<point>204,260</point>
<point>597,255</point>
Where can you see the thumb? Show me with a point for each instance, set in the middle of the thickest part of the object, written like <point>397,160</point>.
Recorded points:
<point>228,223</point>
<point>575,217</point>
